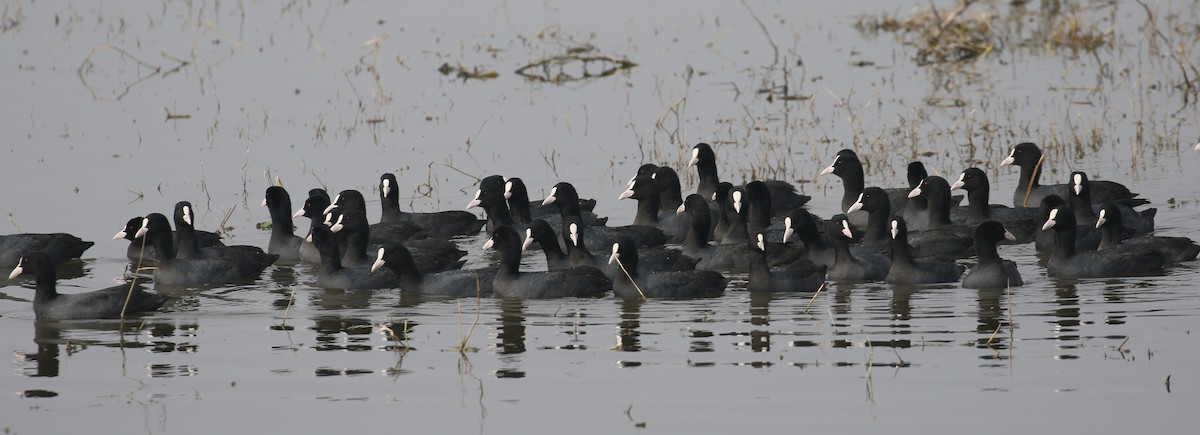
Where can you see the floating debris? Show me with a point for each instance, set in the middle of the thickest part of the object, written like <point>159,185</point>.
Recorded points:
<point>939,39</point>
<point>952,35</point>
<point>461,72</point>
<point>574,65</point>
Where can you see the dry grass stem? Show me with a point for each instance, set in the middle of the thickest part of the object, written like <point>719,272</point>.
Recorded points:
<point>814,298</point>
<point>627,275</point>
<point>288,308</point>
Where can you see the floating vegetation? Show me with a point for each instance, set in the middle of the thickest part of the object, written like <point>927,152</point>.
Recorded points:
<point>576,64</point>
<point>953,35</point>
<point>939,36</point>
<point>10,19</point>
<point>120,86</point>
<point>462,72</point>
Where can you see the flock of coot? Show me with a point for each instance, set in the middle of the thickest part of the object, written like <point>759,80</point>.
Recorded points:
<point>677,246</point>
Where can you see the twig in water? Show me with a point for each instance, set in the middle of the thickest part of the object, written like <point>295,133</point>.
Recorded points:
<point>132,284</point>
<point>989,342</point>
<point>462,346</point>
<point>1037,170</point>
<point>204,187</point>
<point>774,47</point>
<point>870,364</point>
<point>288,308</point>
<point>401,348</point>
<point>814,298</point>
<point>11,220</point>
<point>627,275</point>
<point>642,424</point>
<point>221,228</point>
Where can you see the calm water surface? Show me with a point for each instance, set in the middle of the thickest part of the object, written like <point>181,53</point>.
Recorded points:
<point>118,110</point>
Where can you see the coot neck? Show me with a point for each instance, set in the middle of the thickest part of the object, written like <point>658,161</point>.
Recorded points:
<point>1030,173</point>
<point>1064,243</point>
<point>551,248</point>
<point>706,171</point>
<point>735,226</point>
<point>578,253</point>
<point>939,208</point>
<point>647,210</point>
<point>853,183</point>
<point>497,215</point>
<point>354,243</point>
<point>47,284</point>
<point>670,197</point>
<point>758,213</point>
<point>1081,205</point>
<point>330,263</point>
<point>510,261</point>
<point>518,207</point>
<point>901,251</point>
<point>758,263</point>
<point>877,224</point>
<point>391,205</point>
<point>164,248</point>
<point>985,251</point>
<point>282,225</point>
<point>697,236</point>
<point>812,239</point>
<point>978,208</point>
<point>406,273</point>
<point>1111,234</point>
<point>841,250</point>
<point>185,236</point>
<point>630,262</point>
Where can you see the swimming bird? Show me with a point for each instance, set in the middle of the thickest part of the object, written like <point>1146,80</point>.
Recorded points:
<point>170,270</point>
<point>1066,262</point>
<point>59,247</point>
<point>875,202</point>
<point>1021,222</point>
<point>106,303</point>
<point>138,250</point>
<point>284,241</point>
<point>1028,157</point>
<point>443,224</point>
<point>1080,201</point>
<point>565,196</point>
<point>453,283</point>
<point>847,166</point>
<point>332,274</point>
<point>644,190</point>
<point>990,270</point>
<point>799,276</point>
<point>1113,236</point>
<point>906,270</point>
<point>631,283</point>
<point>783,194</point>
<point>847,267</point>
<point>314,209</point>
<point>188,248</point>
<point>511,282</point>
<point>941,237</point>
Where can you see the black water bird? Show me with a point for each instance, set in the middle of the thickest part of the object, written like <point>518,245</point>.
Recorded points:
<point>990,270</point>
<point>632,283</point>
<point>511,282</point>
<point>106,303</point>
<point>1029,158</point>
<point>1067,262</point>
